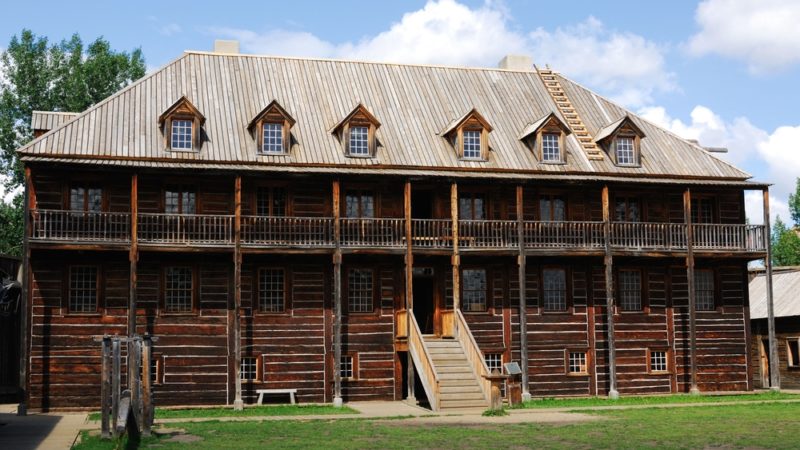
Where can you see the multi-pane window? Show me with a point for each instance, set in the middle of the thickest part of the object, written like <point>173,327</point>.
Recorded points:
<point>554,291</point>
<point>630,290</point>
<point>248,371</point>
<point>272,137</point>
<point>85,199</point>
<point>472,144</point>
<point>181,138</point>
<point>359,141</point>
<point>471,207</point>
<point>702,210</point>
<point>473,290</point>
<point>179,201</point>
<point>793,352</point>
<point>627,209</point>
<point>494,361</point>
<point>704,290</point>
<point>82,289</point>
<point>271,285</point>
<point>551,152</point>
<point>271,201</point>
<point>359,290</point>
<point>346,369</point>
<point>626,154</point>
<point>658,361</point>
<point>552,208</point>
<point>577,362</point>
<point>178,289</point>
<point>359,204</point>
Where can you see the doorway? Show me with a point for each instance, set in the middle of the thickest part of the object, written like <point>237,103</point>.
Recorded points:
<point>424,299</point>
<point>765,367</point>
<point>422,204</point>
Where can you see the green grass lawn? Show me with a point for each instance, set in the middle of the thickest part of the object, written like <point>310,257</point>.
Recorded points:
<point>654,400</point>
<point>250,411</point>
<point>770,425</point>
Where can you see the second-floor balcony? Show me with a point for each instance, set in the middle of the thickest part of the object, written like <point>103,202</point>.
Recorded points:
<point>202,230</point>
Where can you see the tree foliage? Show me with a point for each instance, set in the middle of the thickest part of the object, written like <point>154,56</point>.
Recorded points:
<point>785,245</point>
<point>794,204</point>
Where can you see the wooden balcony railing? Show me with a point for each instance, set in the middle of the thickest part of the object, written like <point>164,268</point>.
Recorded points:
<point>185,229</point>
<point>372,232</point>
<point>648,236</point>
<point>487,234</point>
<point>80,226</point>
<point>432,233</point>
<point>730,237</point>
<point>566,235</point>
<point>266,231</point>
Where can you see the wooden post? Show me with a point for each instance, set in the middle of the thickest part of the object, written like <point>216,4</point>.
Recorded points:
<point>133,256</point>
<point>26,295</point>
<point>105,389</point>
<point>523,319</point>
<point>134,364</point>
<point>238,403</point>
<point>115,384</point>
<point>411,397</point>
<point>455,259</point>
<point>687,217</point>
<point>147,377</point>
<point>774,363</point>
<point>337,300</point>
<point>613,393</point>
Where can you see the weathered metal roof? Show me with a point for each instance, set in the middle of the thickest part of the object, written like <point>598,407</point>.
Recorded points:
<point>50,120</point>
<point>413,103</point>
<point>785,294</point>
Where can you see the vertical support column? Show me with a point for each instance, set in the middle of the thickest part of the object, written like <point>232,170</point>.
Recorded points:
<point>147,377</point>
<point>133,257</point>
<point>455,259</point>
<point>134,361</point>
<point>687,217</point>
<point>774,363</point>
<point>115,384</point>
<point>238,403</point>
<point>411,397</point>
<point>337,299</point>
<point>608,262</point>
<point>523,319</point>
<point>105,389</point>
<point>26,295</point>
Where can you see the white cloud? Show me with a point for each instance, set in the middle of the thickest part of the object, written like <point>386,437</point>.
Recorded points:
<point>170,29</point>
<point>8,196</point>
<point>625,66</point>
<point>763,33</point>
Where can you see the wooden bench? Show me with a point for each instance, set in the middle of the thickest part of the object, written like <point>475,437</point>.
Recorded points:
<point>262,392</point>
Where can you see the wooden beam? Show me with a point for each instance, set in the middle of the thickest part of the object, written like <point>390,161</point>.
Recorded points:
<point>26,295</point>
<point>687,217</point>
<point>523,311</point>
<point>455,259</point>
<point>774,363</point>
<point>608,263</point>
<point>115,383</point>
<point>238,403</point>
<point>337,299</point>
<point>147,377</point>
<point>133,256</point>
<point>105,389</point>
<point>409,263</point>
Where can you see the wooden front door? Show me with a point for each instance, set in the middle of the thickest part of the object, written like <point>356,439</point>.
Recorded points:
<point>764,357</point>
<point>425,299</point>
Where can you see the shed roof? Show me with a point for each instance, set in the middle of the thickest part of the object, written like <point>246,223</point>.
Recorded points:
<point>785,294</point>
<point>49,120</point>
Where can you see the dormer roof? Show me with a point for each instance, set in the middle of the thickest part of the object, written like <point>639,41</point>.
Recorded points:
<point>359,109</point>
<point>183,105</point>
<point>273,107</point>
<point>612,128</point>
<point>538,124</point>
<point>473,113</point>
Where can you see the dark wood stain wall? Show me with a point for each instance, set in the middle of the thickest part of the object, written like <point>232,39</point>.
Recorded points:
<point>786,328</point>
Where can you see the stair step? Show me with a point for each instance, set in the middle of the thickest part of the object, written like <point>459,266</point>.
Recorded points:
<point>442,344</point>
<point>459,376</point>
<point>447,364</point>
<point>462,397</point>
<point>445,351</point>
<point>465,389</point>
<point>454,404</point>
<point>453,369</point>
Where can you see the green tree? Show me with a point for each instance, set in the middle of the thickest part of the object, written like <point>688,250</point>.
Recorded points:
<point>35,75</point>
<point>785,245</point>
<point>794,204</point>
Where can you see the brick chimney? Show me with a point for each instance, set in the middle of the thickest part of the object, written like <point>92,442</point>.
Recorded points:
<point>516,62</point>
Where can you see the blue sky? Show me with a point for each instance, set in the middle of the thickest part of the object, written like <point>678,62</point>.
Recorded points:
<point>721,71</point>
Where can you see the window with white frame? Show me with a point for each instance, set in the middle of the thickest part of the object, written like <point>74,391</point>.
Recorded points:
<point>178,289</point>
<point>625,151</point>
<point>793,352</point>
<point>82,289</point>
<point>472,144</point>
<point>346,367</point>
<point>272,137</point>
<point>630,290</point>
<point>359,141</point>
<point>494,361</point>
<point>181,138</point>
<point>577,363</point>
<point>554,291</point>
<point>658,361</point>
<point>359,290</point>
<point>271,287</point>
<point>704,290</point>
<point>551,152</point>
<point>248,370</point>
<point>473,290</point>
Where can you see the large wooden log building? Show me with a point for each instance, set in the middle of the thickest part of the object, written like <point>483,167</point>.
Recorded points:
<point>343,227</point>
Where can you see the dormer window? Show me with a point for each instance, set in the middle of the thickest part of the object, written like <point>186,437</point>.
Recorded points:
<point>622,140</point>
<point>469,135</point>
<point>181,124</point>
<point>271,130</point>
<point>357,132</point>
<point>545,138</point>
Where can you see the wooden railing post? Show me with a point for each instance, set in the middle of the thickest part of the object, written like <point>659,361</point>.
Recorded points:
<point>409,263</point>
<point>337,299</point>
<point>687,217</point>
<point>523,319</point>
<point>238,403</point>
<point>455,258</point>
<point>774,363</point>
<point>613,393</point>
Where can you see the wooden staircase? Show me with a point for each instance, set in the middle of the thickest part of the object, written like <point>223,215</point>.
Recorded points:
<point>574,121</point>
<point>458,384</point>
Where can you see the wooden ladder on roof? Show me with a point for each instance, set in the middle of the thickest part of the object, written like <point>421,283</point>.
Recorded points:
<point>574,121</point>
